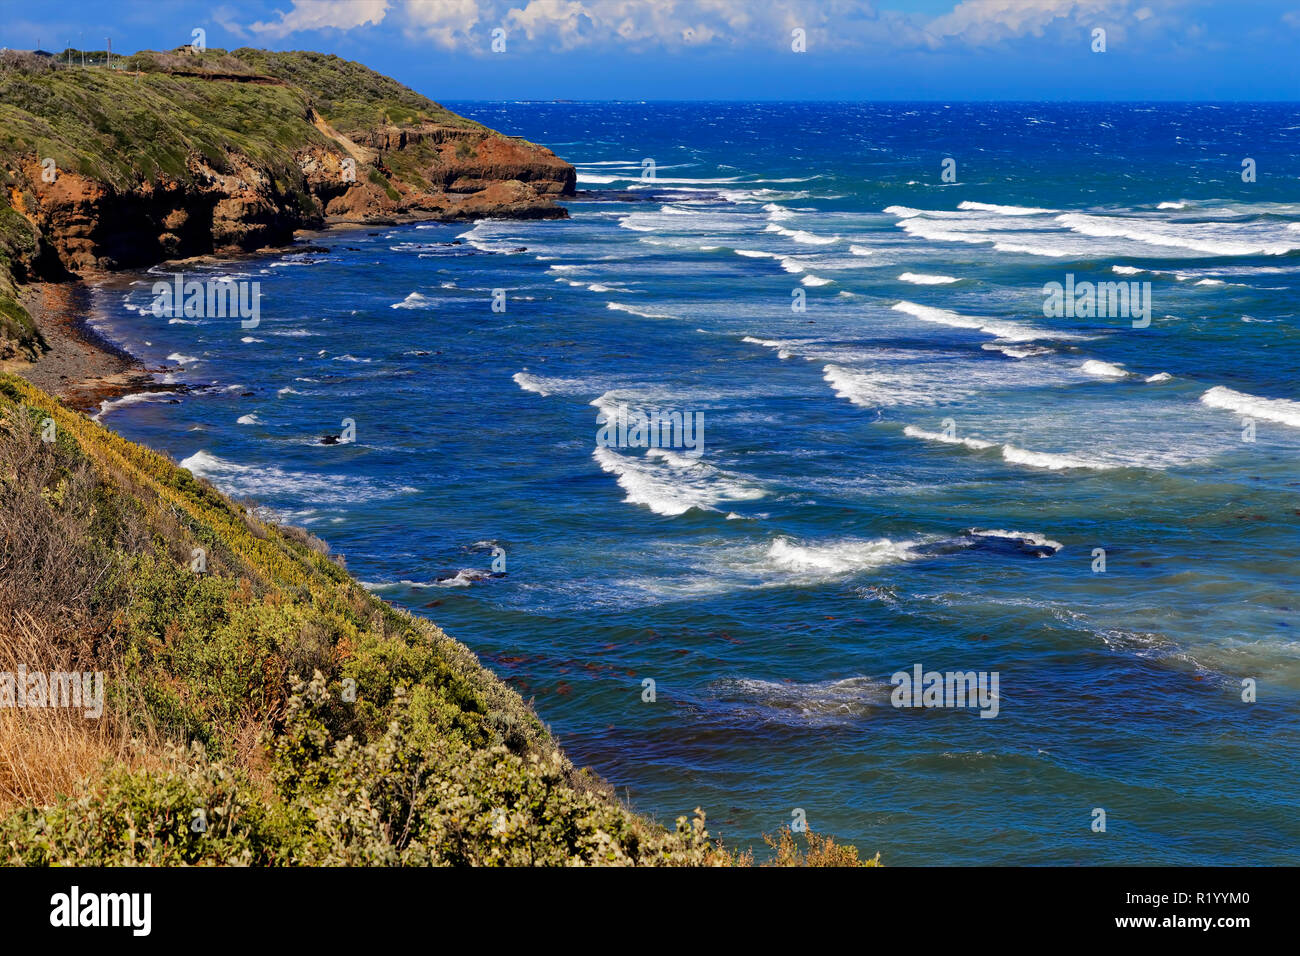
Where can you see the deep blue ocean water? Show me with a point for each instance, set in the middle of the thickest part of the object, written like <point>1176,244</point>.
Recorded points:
<point>916,469</point>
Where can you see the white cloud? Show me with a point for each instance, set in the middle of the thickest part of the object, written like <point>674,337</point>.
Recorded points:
<point>225,17</point>
<point>323,14</point>
<point>637,25</point>
<point>987,22</point>
<point>448,23</point>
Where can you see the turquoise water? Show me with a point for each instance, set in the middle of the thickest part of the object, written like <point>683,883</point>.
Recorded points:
<point>917,468</point>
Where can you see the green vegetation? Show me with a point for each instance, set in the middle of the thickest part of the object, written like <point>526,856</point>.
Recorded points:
<point>255,687</point>
<point>122,130</point>
<point>17,246</point>
<point>352,97</point>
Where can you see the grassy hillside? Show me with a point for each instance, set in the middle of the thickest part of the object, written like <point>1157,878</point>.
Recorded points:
<point>352,97</point>
<point>229,696</point>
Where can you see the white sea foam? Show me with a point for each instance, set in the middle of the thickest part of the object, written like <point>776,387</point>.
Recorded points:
<point>1158,377</point>
<point>803,236</point>
<point>262,481</point>
<point>414,301</point>
<point>644,313</point>
<point>671,484</point>
<point>782,348</point>
<point>1051,461</point>
<point>975,444</point>
<point>1281,410</point>
<point>1003,330</point>
<point>1099,369</point>
<point>135,398</point>
<point>812,280</point>
<point>250,419</point>
<point>1004,210</point>
<point>546,386</point>
<point>837,558</point>
<point>919,278</point>
<point>1017,352</point>
<point>1016,456</point>
<point>1218,239</point>
<point>885,387</point>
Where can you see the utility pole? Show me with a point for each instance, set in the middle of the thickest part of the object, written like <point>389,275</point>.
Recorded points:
<point>109,40</point>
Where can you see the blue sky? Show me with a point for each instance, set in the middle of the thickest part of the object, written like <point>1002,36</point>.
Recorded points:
<point>734,49</point>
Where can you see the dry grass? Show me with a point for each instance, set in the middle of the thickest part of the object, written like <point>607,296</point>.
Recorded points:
<point>51,618</point>
<point>44,751</point>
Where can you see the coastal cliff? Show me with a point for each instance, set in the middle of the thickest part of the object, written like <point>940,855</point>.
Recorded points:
<point>172,155</point>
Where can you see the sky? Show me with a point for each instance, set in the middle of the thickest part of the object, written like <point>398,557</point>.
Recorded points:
<point>944,50</point>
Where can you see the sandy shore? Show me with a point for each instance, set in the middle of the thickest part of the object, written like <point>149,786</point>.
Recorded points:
<point>85,369</point>
<point>81,367</point>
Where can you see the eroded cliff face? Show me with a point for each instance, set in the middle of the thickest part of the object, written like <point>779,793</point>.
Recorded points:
<point>234,189</point>
<point>94,226</point>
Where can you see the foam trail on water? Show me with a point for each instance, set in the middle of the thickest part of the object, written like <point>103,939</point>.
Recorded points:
<point>1280,410</point>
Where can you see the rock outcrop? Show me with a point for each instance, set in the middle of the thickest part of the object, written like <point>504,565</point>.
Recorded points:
<point>239,151</point>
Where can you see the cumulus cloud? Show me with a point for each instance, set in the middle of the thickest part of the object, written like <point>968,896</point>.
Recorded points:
<point>986,22</point>
<point>323,14</point>
<point>448,23</point>
<point>638,25</point>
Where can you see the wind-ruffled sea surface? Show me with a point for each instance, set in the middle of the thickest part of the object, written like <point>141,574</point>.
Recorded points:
<point>918,468</point>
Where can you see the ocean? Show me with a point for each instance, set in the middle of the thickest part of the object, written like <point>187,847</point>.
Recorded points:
<point>906,457</point>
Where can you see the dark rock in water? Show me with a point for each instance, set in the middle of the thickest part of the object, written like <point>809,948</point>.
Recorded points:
<point>329,439</point>
<point>246,394</point>
<point>519,249</point>
<point>372,234</point>
<point>312,249</point>
<point>1014,543</point>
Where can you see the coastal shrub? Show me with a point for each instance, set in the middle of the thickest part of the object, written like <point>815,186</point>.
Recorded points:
<point>339,802</point>
<point>187,810</point>
<point>818,851</point>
